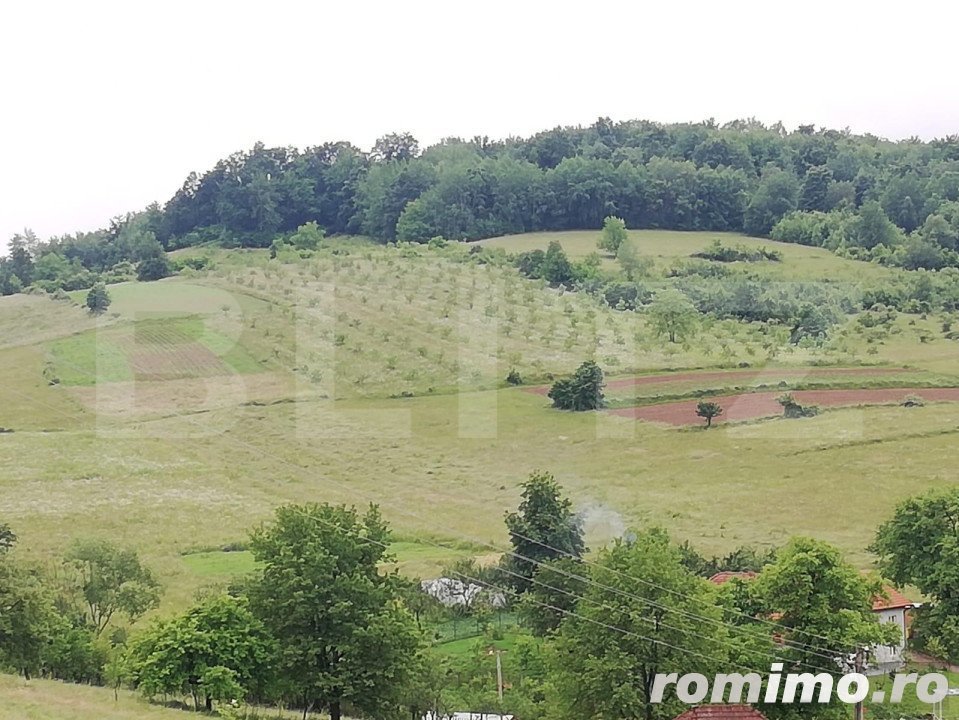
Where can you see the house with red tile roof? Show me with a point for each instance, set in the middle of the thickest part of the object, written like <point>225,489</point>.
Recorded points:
<point>727,575</point>
<point>891,606</point>
<point>721,712</point>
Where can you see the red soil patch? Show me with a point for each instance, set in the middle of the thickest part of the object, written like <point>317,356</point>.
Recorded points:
<point>753,374</point>
<point>748,406</point>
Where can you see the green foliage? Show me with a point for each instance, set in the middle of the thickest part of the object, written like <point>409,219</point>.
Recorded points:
<point>776,196</point>
<point>708,410</point>
<point>308,236</point>
<point>633,263</point>
<point>216,651</point>
<point>720,253</point>
<point>613,235</point>
<point>792,409</point>
<point>29,619</point>
<point>640,586</point>
<point>112,580</point>
<point>344,639</point>
<point>822,602</point>
<point>153,268</point>
<point>8,538</point>
<point>552,592</point>
<point>542,529</point>
<point>582,391</point>
<point>98,299</point>
<point>672,314</point>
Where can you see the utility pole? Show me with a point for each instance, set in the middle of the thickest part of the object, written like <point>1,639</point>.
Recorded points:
<point>499,671</point>
<point>860,666</point>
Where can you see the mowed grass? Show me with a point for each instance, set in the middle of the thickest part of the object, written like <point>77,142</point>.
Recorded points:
<point>49,700</point>
<point>446,468</point>
<point>363,323</point>
<point>667,246</point>
<point>173,347</point>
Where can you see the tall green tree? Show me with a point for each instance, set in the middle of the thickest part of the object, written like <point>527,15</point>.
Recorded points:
<point>111,580</point>
<point>919,545</point>
<point>346,642</point>
<point>543,528</point>
<point>29,620</point>
<point>613,235</point>
<point>672,314</point>
<point>643,613</point>
<point>776,196</point>
<point>824,608</point>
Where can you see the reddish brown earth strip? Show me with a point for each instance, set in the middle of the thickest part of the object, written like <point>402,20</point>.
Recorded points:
<point>732,375</point>
<point>748,406</point>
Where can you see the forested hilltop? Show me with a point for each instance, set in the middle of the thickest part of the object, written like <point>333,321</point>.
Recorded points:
<point>862,196</point>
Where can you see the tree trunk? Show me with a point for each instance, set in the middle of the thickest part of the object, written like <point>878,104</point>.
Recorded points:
<point>209,704</point>
<point>335,711</point>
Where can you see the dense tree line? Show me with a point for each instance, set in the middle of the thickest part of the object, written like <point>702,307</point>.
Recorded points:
<point>741,176</point>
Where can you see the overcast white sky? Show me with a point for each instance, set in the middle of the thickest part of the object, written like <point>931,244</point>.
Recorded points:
<point>107,106</point>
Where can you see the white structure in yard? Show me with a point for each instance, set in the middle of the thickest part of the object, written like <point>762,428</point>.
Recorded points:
<point>452,592</point>
<point>466,716</point>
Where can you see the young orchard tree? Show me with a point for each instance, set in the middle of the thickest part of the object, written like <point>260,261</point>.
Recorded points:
<point>614,233</point>
<point>582,391</point>
<point>542,529</point>
<point>708,410</point>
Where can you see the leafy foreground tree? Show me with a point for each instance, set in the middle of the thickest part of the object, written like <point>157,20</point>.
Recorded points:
<point>216,651</point>
<point>824,610</point>
<point>112,580</point>
<point>643,614</point>
<point>543,528</point>
<point>583,391</point>
<point>98,299</point>
<point>708,410</point>
<point>919,545</point>
<point>345,641</point>
<point>28,617</point>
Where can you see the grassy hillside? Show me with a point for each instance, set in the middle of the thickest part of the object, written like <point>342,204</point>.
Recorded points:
<point>667,246</point>
<point>179,419</point>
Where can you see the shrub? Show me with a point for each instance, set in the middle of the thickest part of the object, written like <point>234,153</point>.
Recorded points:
<point>583,391</point>
<point>792,409</point>
<point>513,377</point>
<point>912,401</point>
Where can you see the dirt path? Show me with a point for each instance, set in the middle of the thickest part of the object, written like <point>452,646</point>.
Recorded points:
<point>751,374</point>
<point>748,406</point>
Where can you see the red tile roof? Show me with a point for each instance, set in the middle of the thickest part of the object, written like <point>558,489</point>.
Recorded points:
<point>721,712</point>
<point>893,600</point>
<point>721,577</point>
